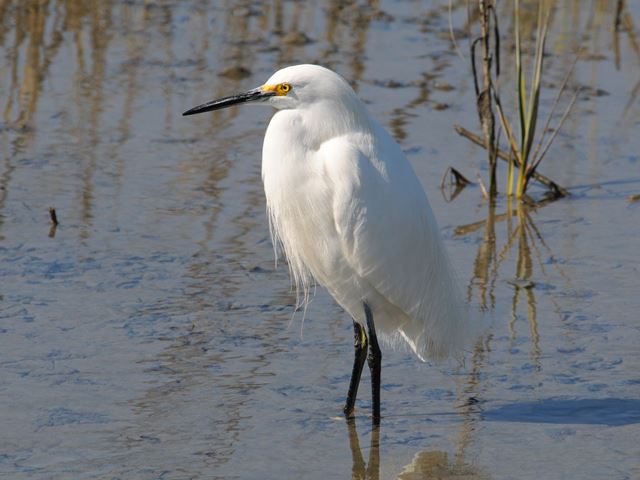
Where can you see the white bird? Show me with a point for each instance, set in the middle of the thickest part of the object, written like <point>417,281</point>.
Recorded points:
<point>348,211</point>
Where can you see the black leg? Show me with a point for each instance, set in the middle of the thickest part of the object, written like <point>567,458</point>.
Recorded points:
<point>375,364</point>
<point>360,345</point>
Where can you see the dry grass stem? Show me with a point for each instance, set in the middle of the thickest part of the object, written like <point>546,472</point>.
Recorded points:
<point>556,189</point>
<point>526,151</point>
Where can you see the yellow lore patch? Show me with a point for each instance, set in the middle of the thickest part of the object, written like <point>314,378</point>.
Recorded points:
<point>280,89</point>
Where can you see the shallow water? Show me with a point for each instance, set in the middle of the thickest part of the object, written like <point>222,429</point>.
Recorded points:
<point>150,336</point>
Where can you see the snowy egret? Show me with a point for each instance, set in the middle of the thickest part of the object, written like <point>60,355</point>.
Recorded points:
<point>348,211</point>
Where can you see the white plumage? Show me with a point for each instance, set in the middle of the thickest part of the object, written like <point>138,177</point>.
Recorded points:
<point>348,211</point>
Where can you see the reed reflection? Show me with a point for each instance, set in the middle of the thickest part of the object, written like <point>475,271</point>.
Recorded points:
<point>36,33</point>
<point>438,463</point>
<point>524,244</point>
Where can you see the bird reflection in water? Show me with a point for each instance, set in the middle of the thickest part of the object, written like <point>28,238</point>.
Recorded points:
<point>427,464</point>
<point>360,469</point>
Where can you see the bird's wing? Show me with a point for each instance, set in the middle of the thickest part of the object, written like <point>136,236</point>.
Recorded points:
<point>390,237</point>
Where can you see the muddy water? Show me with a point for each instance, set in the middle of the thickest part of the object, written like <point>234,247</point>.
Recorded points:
<point>150,336</point>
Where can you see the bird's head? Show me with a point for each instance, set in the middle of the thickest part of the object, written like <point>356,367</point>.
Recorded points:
<point>297,86</point>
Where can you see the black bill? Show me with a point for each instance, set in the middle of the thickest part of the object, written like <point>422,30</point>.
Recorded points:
<point>252,95</point>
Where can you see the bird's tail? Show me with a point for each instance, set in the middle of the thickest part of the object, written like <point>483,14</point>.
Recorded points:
<point>441,325</point>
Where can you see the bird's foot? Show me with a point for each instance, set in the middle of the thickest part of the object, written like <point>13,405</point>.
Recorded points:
<point>348,411</point>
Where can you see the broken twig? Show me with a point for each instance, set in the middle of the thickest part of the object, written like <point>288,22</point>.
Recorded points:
<point>53,216</point>
<point>54,222</point>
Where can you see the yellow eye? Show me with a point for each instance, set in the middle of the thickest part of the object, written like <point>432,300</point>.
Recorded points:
<point>283,88</point>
